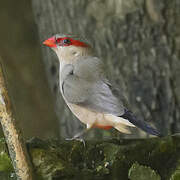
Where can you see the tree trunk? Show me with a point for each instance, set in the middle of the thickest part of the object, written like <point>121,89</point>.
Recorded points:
<point>25,75</point>
<point>138,40</point>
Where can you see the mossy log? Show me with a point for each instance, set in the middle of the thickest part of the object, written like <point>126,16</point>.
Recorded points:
<point>136,159</point>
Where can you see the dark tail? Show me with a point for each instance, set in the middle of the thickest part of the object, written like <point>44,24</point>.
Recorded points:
<point>139,123</point>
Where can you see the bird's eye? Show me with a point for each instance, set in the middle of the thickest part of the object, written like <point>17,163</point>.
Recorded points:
<point>66,41</point>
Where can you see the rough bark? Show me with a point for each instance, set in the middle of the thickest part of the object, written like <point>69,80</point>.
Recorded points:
<point>137,159</point>
<point>13,137</point>
<point>139,42</point>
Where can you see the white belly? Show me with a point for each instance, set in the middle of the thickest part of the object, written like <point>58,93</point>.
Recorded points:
<point>89,117</point>
<point>101,120</point>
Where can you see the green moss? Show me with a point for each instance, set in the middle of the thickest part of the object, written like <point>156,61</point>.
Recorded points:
<point>138,172</point>
<point>110,152</point>
<point>5,161</point>
<point>6,168</point>
<point>106,159</point>
<point>176,174</point>
<point>46,162</point>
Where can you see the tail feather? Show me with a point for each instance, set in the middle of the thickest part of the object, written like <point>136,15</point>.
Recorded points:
<point>139,123</point>
<point>122,128</point>
<point>116,120</point>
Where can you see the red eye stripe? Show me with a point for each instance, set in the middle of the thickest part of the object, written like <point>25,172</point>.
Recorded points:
<point>78,43</point>
<point>71,42</point>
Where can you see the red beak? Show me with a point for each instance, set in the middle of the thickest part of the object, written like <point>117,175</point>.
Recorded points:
<point>51,42</point>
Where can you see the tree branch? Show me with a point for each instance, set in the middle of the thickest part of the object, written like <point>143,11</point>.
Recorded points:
<point>14,140</point>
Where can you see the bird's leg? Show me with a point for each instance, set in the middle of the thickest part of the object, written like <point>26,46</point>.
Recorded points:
<point>78,135</point>
<point>81,133</point>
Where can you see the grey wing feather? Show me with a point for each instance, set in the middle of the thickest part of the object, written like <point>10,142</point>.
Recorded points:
<point>87,87</point>
<point>75,90</point>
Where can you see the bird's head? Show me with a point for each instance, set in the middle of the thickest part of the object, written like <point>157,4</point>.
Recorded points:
<point>68,47</point>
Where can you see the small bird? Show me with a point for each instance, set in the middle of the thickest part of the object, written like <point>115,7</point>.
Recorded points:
<point>87,91</point>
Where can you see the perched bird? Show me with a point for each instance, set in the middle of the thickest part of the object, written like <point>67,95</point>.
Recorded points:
<point>86,89</point>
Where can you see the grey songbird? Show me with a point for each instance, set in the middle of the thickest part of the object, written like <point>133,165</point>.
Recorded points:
<point>86,89</point>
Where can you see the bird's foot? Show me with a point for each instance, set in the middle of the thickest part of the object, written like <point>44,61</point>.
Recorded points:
<point>77,139</point>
